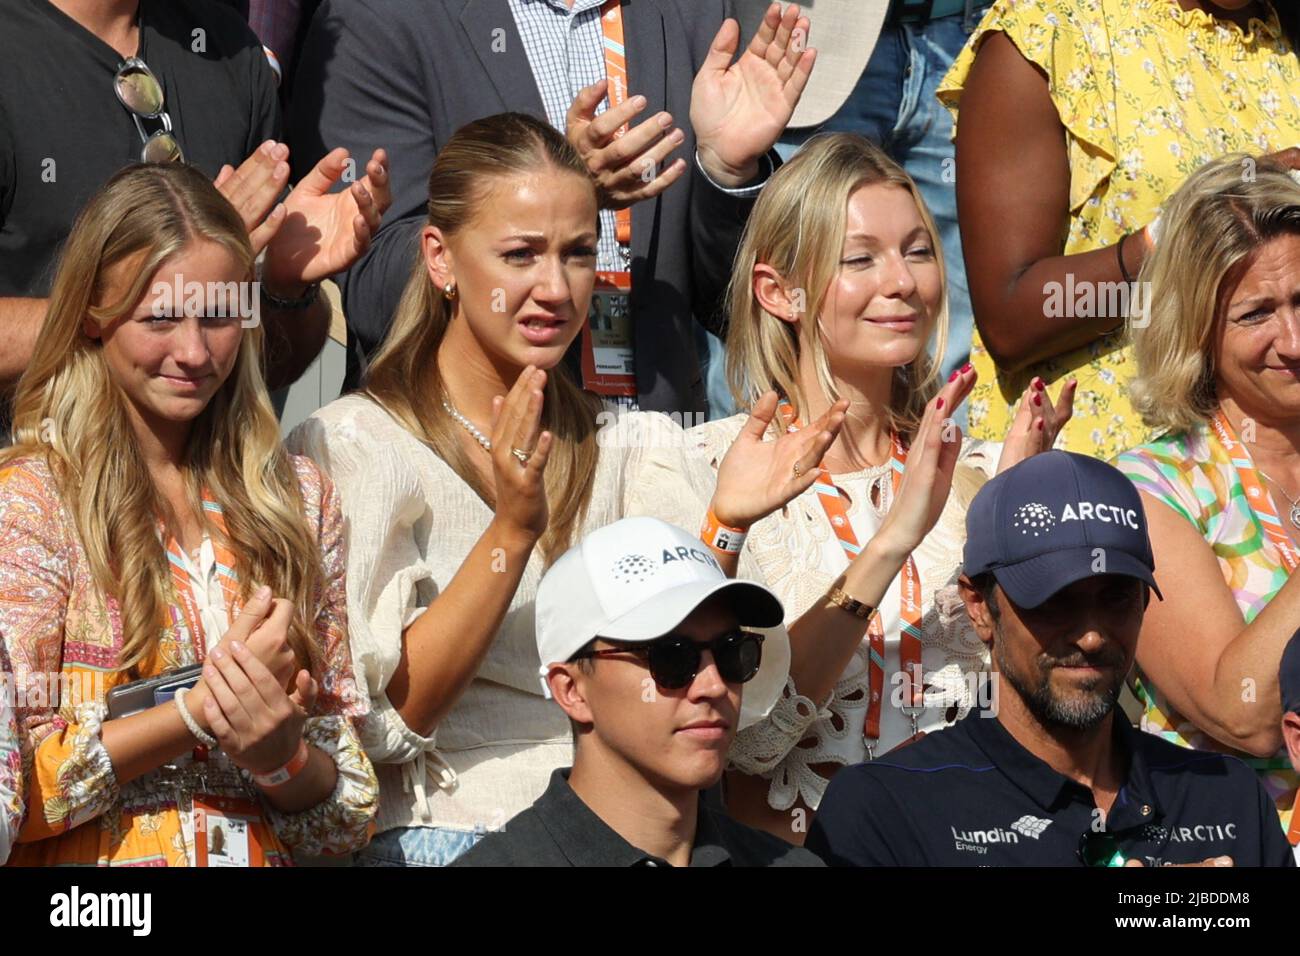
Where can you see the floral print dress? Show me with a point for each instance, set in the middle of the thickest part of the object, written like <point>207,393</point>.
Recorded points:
<point>1147,92</point>
<point>65,639</point>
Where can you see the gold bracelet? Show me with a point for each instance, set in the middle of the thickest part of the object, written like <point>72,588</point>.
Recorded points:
<point>854,607</point>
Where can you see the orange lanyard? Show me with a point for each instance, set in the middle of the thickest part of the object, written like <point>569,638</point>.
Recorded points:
<point>909,617</point>
<point>1256,494</point>
<point>611,25</point>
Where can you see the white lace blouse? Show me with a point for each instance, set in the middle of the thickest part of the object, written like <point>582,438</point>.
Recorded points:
<point>410,523</point>
<point>798,556</point>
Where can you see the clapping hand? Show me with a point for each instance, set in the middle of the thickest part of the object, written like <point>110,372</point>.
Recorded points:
<point>757,477</point>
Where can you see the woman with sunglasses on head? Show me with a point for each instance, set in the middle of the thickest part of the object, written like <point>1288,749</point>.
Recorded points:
<point>152,521</point>
<point>838,299</point>
<point>471,461</point>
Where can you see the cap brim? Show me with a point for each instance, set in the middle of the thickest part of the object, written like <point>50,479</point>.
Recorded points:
<point>754,607</point>
<point>1031,583</point>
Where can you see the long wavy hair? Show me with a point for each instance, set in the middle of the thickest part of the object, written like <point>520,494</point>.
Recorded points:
<point>797,227</point>
<point>69,411</point>
<point>507,144</point>
<point>1217,219</point>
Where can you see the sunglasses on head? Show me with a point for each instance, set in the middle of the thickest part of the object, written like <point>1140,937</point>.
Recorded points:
<point>674,660</point>
<point>140,92</point>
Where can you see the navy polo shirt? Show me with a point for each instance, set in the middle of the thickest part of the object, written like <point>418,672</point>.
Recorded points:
<point>971,795</point>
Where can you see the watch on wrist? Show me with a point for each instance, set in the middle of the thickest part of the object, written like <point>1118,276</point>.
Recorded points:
<point>288,305</point>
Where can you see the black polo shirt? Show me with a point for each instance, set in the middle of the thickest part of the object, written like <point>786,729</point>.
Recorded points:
<point>560,830</point>
<point>971,795</point>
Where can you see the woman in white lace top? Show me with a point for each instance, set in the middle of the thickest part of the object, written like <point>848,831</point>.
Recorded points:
<point>456,499</point>
<point>837,294</point>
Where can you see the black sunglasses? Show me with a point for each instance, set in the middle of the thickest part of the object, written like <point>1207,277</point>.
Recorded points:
<point>674,660</point>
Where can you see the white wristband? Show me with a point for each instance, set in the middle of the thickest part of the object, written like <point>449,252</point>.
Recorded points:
<point>207,740</point>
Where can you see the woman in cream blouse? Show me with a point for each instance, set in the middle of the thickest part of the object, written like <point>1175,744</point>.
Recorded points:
<point>837,294</point>
<point>457,499</point>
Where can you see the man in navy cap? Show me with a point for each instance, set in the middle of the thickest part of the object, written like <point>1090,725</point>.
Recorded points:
<point>1058,571</point>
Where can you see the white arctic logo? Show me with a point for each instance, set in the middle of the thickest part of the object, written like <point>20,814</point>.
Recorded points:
<point>1034,518</point>
<point>1031,826</point>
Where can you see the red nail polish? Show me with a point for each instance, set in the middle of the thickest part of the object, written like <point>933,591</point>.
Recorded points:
<point>1038,383</point>
<point>1038,399</point>
<point>966,368</point>
<point>938,403</point>
<point>953,376</point>
<point>1040,424</point>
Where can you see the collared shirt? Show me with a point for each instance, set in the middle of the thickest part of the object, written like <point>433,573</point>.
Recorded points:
<point>566,50</point>
<point>971,795</point>
<point>560,830</point>
<point>205,586</point>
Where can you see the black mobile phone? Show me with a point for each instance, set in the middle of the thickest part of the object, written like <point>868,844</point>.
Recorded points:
<point>149,692</point>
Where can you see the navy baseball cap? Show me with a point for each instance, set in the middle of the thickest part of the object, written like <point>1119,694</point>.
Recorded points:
<point>1288,675</point>
<point>1054,519</point>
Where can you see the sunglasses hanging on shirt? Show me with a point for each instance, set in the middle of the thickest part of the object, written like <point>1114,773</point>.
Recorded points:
<point>140,92</point>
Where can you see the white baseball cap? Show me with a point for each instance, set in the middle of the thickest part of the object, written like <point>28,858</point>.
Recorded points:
<point>637,579</point>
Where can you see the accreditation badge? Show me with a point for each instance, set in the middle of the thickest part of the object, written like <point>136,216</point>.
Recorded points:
<point>224,835</point>
<point>608,367</point>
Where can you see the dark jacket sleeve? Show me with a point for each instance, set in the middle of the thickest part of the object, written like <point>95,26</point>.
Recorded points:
<point>265,103</point>
<point>361,84</point>
<point>858,823</point>
<point>717,219</point>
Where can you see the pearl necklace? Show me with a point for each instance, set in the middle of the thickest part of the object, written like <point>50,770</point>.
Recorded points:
<point>468,426</point>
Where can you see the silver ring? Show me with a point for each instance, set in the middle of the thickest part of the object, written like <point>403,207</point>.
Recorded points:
<point>520,455</point>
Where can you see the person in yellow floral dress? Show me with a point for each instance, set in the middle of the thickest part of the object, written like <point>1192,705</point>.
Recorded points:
<point>1076,119</point>
<point>150,519</point>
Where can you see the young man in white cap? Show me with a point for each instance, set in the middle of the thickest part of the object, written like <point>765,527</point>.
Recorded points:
<point>646,644</point>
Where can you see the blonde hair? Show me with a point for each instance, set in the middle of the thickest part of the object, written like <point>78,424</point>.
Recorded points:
<point>69,411</point>
<point>507,144</point>
<point>1216,220</point>
<point>797,227</point>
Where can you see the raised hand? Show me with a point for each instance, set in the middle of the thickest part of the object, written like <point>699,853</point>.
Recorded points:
<point>757,477</point>
<point>1037,423</point>
<point>738,110</point>
<point>625,167</point>
<point>323,232</point>
<point>520,450</point>
<point>253,187</point>
<point>927,479</point>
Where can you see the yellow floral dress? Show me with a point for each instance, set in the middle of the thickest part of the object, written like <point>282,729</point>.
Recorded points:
<point>1147,92</point>
<point>64,640</point>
